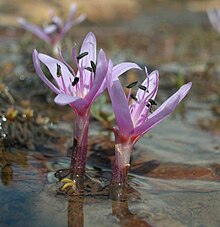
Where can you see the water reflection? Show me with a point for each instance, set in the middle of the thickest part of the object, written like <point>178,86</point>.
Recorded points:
<point>6,174</point>
<point>7,159</point>
<point>75,212</point>
<point>120,210</point>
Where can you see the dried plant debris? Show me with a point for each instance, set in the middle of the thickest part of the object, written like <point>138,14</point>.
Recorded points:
<point>24,128</point>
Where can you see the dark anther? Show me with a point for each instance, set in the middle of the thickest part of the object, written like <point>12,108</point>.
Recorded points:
<point>142,87</point>
<point>89,69</point>
<point>150,107</point>
<point>133,97</point>
<point>76,80</point>
<point>58,70</point>
<point>93,66</point>
<point>82,55</point>
<point>57,26</point>
<point>131,85</point>
<point>152,102</point>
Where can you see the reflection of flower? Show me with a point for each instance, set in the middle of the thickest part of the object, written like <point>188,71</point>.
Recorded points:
<point>55,31</point>
<point>133,116</point>
<point>80,89</point>
<point>214,18</point>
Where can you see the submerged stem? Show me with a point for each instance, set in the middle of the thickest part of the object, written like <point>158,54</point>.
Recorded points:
<point>120,171</point>
<point>121,164</point>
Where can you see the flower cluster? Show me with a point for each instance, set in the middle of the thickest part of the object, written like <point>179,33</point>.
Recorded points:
<point>79,88</point>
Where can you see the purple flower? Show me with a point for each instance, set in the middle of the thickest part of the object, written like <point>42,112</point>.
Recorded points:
<point>133,115</point>
<point>214,18</point>
<point>79,89</point>
<point>56,29</point>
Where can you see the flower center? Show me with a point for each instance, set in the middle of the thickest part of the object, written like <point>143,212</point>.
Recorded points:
<point>141,101</point>
<point>81,84</point>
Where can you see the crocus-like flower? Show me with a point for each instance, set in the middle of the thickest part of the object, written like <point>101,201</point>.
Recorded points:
<point>79,89</point>
<point>133,116</point>
<point>214,18</point>
<point>56,29</point>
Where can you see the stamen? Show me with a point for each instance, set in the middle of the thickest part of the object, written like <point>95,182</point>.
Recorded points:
<point>82,55</point>
<point>131,85</point>
<point>63,60</point>
<point>76,80</point>
<point>133,97</point>
<point>143,88</point>
<point>58,70</point>
<point>89,69</point>
<point>57,25</point>
<point>152,102</point>
<point>93,66</point>
<point>150,107</point>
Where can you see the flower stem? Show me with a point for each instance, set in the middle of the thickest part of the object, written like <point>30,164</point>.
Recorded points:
<point>56,47</point>
<point>80,137</point>
<point>121,164</point>
<point>117,190</point>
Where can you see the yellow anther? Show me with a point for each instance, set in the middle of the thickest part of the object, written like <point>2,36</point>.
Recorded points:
<point>67,185</point>
<point>67,180</point>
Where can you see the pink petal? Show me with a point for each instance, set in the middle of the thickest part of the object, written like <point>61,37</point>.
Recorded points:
<point>69,24</point>
<point>78,104</point>
<point>51,64</point>
<point>122,68</point>
<point>41,74</point>
<point>164,110</point>
<point>64,61</point>
<point>101,71</point>
<point>152,86</point>
<point>72,12</point>
<point>50,29</point>
<point>145,83</point>
<point>139,109</point>
<point>118,70</point>
<point>214,18</point>
<point>63,99</point>
<point>34,29</point>
<point>89,45</point>
<point>119,103</point>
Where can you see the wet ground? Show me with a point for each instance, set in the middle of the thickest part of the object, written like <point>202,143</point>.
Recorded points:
<point>175,169</point>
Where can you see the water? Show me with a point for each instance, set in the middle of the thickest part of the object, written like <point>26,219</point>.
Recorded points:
<point>175,171</point>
